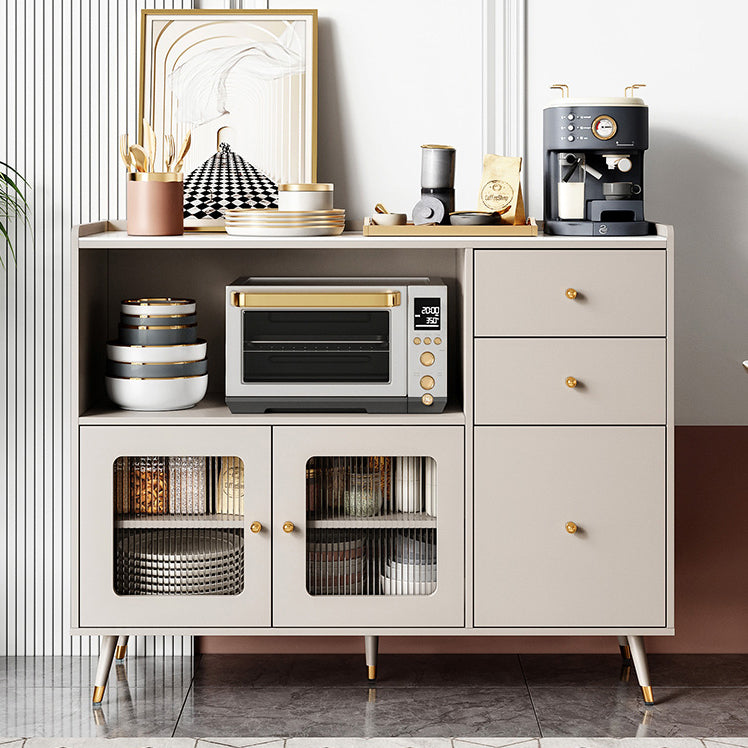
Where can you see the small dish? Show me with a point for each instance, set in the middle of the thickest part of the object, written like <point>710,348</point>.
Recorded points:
<point>156,354</point>
<point>390,219</point>
<point>156,394</point>
<point>162,305</point>
<point>474,218</point>
<point>305,196</point>
<point>158,370</point>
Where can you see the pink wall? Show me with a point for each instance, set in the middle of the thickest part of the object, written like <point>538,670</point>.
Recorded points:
<point>711,569</point>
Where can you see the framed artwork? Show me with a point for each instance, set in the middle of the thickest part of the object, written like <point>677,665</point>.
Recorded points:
<point>243,84</point>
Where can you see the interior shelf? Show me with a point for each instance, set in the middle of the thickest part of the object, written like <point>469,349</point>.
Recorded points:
<point>212,411</point>
<point>176,520</point>
<point>407,520</point>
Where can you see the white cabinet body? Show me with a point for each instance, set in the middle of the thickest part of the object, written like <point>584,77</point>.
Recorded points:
<point>516,456</point>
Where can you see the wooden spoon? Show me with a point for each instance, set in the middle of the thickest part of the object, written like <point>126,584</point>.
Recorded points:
<point>183,151</point>
<point>169,148</point>
<point>124,153</point>
<point>139,157</point>
<point>150,142</point>
<point>379,208</point>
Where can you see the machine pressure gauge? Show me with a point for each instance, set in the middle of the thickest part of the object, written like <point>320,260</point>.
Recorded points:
<point>604,127</point>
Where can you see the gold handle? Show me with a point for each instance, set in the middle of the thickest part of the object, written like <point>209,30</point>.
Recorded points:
<point>571,382</point>
<point>572,293</point>
<point>316,300</point>
<point>288,527</point>
<point>571,527</point>
<point>255,527</point>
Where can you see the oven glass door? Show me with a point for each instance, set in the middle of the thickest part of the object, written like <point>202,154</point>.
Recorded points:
<point>322,346</point>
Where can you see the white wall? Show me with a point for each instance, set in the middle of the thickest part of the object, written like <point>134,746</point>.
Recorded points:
<point>394,75</point>
<point>693,58</point>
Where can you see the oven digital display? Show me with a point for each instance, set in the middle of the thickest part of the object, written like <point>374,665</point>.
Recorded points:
<point>427,313</point>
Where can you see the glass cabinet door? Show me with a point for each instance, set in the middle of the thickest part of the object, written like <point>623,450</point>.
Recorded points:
<point>369,526</point>
<point>174,526</point>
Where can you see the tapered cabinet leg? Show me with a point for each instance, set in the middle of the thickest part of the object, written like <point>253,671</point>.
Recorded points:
<point>372,647</point>
<point>639,655</point>
<point>106,655</point>
<point>623,645</point>
<point>121,650</point>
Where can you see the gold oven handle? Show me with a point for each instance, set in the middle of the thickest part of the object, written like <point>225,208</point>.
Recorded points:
<point>315,300</point>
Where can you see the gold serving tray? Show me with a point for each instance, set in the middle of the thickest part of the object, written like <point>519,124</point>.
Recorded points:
<point>409,229</point>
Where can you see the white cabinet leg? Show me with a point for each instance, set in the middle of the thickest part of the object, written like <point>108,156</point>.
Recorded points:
<point>639,656</point>
<point>372,647</point>
<point>121,650</point>
<point>106,655</point>
<point>623,645</point>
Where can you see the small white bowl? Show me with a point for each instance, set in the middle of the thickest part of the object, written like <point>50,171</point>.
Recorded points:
<point>390,219</point>
<point>165,305</point>
<point>157,394</point>
<point>156,354</point>
<point>396,587</point>
<point>305,196</point>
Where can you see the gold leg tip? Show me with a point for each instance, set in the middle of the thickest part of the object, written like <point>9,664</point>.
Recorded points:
<point>98,694</point>
<point>625,652</point>
<point>119,653</point>
<point>372,669</point>
<point>648,695</point>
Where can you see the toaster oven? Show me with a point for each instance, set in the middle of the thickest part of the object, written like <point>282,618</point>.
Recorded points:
<point>367,345</point>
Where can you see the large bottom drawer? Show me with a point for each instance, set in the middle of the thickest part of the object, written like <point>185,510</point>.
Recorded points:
<point>570,526</point>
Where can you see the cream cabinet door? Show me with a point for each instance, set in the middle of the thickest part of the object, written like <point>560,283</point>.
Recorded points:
<point>164,527</point>
<point>368,526</point>
<point>523,293</point>
<point>530,484</point>
<point>570,381</point>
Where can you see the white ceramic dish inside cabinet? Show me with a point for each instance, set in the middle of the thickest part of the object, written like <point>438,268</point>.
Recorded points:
<point>157,354</point>
<point>157,394</point>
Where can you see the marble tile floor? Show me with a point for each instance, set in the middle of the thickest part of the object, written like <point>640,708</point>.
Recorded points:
<point>420,701</point>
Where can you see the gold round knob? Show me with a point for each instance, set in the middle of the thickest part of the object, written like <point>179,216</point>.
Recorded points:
<point>427,399</point>
<point>571,527</point>
<point>427,382</point>
<point>288,527</point>
<point>572,293</point>
<point>427,358</point>
<point>571,382</point>
<point>255,527</point>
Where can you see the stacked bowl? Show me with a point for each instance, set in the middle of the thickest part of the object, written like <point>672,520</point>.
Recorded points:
<point>410,568</point>
<point>157,362</point>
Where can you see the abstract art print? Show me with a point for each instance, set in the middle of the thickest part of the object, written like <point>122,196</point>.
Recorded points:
<point>243,84</point>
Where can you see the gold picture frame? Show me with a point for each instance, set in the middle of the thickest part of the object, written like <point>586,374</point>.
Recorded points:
<point>244,83</point>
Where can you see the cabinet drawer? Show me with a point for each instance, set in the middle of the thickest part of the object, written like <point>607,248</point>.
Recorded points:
<point>529,483</point>
<point>523,292</point>
<point>524,381</point>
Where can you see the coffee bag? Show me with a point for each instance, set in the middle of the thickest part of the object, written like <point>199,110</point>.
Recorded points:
<point>500,188</point>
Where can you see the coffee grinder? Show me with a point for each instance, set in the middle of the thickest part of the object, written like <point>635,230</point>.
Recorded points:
<point>437,185</point>
<point>594,165</point>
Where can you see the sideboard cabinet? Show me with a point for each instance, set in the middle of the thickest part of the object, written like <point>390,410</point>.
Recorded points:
<point>540,502</point>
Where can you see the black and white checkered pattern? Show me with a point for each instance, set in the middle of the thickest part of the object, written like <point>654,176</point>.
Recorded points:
<point>226,181</point>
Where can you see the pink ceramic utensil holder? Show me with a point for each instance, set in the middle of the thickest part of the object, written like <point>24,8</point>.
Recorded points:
<point>155,203</point>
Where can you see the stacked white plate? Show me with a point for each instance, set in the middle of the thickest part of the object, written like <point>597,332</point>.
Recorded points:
<point>410,568</point>
<point>180,561</point>
<point>272,222</point>
<point>158,362</point>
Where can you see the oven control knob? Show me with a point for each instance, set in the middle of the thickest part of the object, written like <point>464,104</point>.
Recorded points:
<point>427,399</point>
<point>427,358</point>
<point>427,382</point>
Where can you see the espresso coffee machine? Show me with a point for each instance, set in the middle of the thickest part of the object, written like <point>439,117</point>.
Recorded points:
<point>594,165</point>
